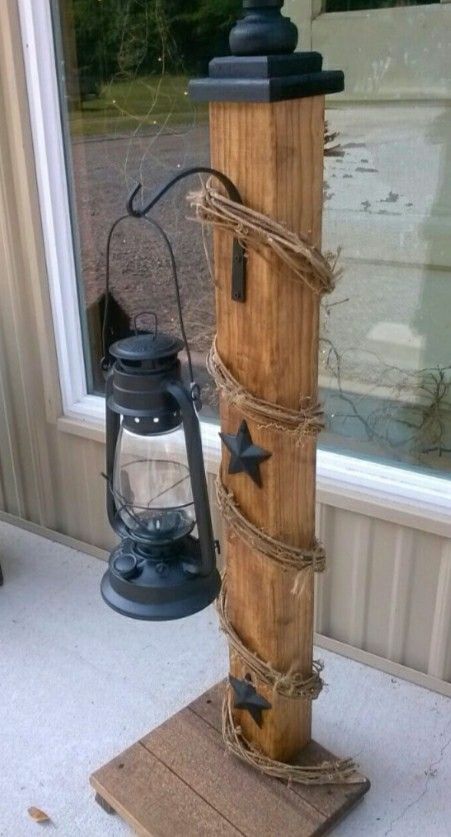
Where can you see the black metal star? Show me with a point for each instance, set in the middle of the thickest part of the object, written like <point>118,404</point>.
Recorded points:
<point>246,697</point>
<point>245,456</point>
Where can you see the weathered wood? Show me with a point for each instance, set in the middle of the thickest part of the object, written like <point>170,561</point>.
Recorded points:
<point>179,780</point>
<point>153,800</point>
<point>191,749</point>
<point>331,800</point>
<point>274,154</point>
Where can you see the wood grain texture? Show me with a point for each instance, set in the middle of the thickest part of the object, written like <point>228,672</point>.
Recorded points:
<point>154,801</point>
<point>190,747</point>
<point>179,780</point>
<point>274,154</point>
<point>330,800</point>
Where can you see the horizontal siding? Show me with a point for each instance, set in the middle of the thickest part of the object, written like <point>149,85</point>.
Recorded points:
<point>386,590</point>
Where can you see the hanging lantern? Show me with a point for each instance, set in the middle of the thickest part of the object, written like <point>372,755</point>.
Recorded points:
<point>157,496</point>
<point>160,570</point>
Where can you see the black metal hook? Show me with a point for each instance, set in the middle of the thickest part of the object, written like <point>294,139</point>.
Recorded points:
<point>239,261</point>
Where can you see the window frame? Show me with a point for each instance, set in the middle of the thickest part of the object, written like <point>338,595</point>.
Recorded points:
<point>50,166</point>
<point>387,492</point>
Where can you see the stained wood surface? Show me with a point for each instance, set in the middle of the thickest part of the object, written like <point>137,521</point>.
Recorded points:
<point>274,154</point>
<point>178,780</point>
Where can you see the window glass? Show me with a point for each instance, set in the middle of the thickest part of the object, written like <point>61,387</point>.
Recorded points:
<point>123,68</point>
<point>386,338</point>
<point>385,355</point>
<point>386,349</point>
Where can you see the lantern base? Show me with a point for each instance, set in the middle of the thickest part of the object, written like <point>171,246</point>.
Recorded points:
<point>179,780</point>
<point>158,588</point>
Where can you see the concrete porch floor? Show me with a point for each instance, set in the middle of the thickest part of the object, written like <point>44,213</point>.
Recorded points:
<point>79,683</point>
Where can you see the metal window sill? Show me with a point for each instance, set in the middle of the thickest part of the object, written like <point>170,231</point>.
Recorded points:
<point>386,492</point>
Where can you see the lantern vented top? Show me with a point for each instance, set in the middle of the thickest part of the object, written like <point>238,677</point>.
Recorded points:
<point>147,347</point>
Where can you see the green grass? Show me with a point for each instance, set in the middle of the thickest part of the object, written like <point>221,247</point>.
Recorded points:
<point>142,104</point>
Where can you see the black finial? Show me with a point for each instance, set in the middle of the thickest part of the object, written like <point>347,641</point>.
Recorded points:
<point>263,30</point>
<point>264,66</point>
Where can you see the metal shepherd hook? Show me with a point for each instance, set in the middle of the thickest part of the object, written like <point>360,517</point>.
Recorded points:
<point>238,262</point>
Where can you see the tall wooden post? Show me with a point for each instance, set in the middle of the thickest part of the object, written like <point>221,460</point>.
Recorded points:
<point>270,344</point>
<point>267,136</point>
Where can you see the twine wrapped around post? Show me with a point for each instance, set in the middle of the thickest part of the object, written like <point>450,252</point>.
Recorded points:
<point>307,421</point>
<point>337,772</point>
<point>318,273</point>
<point>287,556</point>
<point>256,230</point>
<point>291,684</point>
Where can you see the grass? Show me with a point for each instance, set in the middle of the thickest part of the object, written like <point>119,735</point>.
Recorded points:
<point>140,104</point>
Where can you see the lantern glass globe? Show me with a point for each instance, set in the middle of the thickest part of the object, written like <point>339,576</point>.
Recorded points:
<point>153,492</point>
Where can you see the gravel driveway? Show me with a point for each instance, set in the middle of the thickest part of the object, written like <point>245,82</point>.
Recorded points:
<point>106,170</point>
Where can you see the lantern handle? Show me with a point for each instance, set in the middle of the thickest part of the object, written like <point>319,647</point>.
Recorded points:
<point>238,256</point>
<point>146,314</point>
<point>105,361</point>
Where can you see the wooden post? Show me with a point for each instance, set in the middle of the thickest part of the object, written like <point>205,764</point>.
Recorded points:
<point>273,152</point>
<point>270,344</point>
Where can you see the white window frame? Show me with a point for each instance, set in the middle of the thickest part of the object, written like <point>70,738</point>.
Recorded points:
<point>388,492</point>
<point>44,107</point>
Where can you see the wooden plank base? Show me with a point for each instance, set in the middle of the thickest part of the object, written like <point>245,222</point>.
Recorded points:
<point>179,780</point>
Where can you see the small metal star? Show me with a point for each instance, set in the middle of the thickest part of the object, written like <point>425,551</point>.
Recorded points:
<point>245,456</point>
<point>247,698</point>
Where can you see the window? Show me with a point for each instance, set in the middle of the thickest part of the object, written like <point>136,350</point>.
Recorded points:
<point>123,70</point>
<point>385,371</point>
<point>386,347</point>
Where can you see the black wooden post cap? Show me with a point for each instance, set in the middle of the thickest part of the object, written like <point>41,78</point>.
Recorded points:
<point>264,66</point>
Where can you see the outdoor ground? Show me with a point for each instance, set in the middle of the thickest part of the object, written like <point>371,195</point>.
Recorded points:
<point>107,170</point>
<point>142,130</point>
<point>80,683</point>
<point>123,105</point>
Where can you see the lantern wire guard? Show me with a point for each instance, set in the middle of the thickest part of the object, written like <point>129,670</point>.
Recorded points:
<point>122,502</point>
<point>238,290</point>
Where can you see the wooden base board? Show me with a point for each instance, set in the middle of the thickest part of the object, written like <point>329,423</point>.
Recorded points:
<point>178,781</point>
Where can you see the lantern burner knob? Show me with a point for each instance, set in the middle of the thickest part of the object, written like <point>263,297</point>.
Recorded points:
<point>126,566</point>
<point>158,589</point>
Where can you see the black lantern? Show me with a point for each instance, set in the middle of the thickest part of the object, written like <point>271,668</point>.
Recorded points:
<point>159,570</point>
<point>155,501</point>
